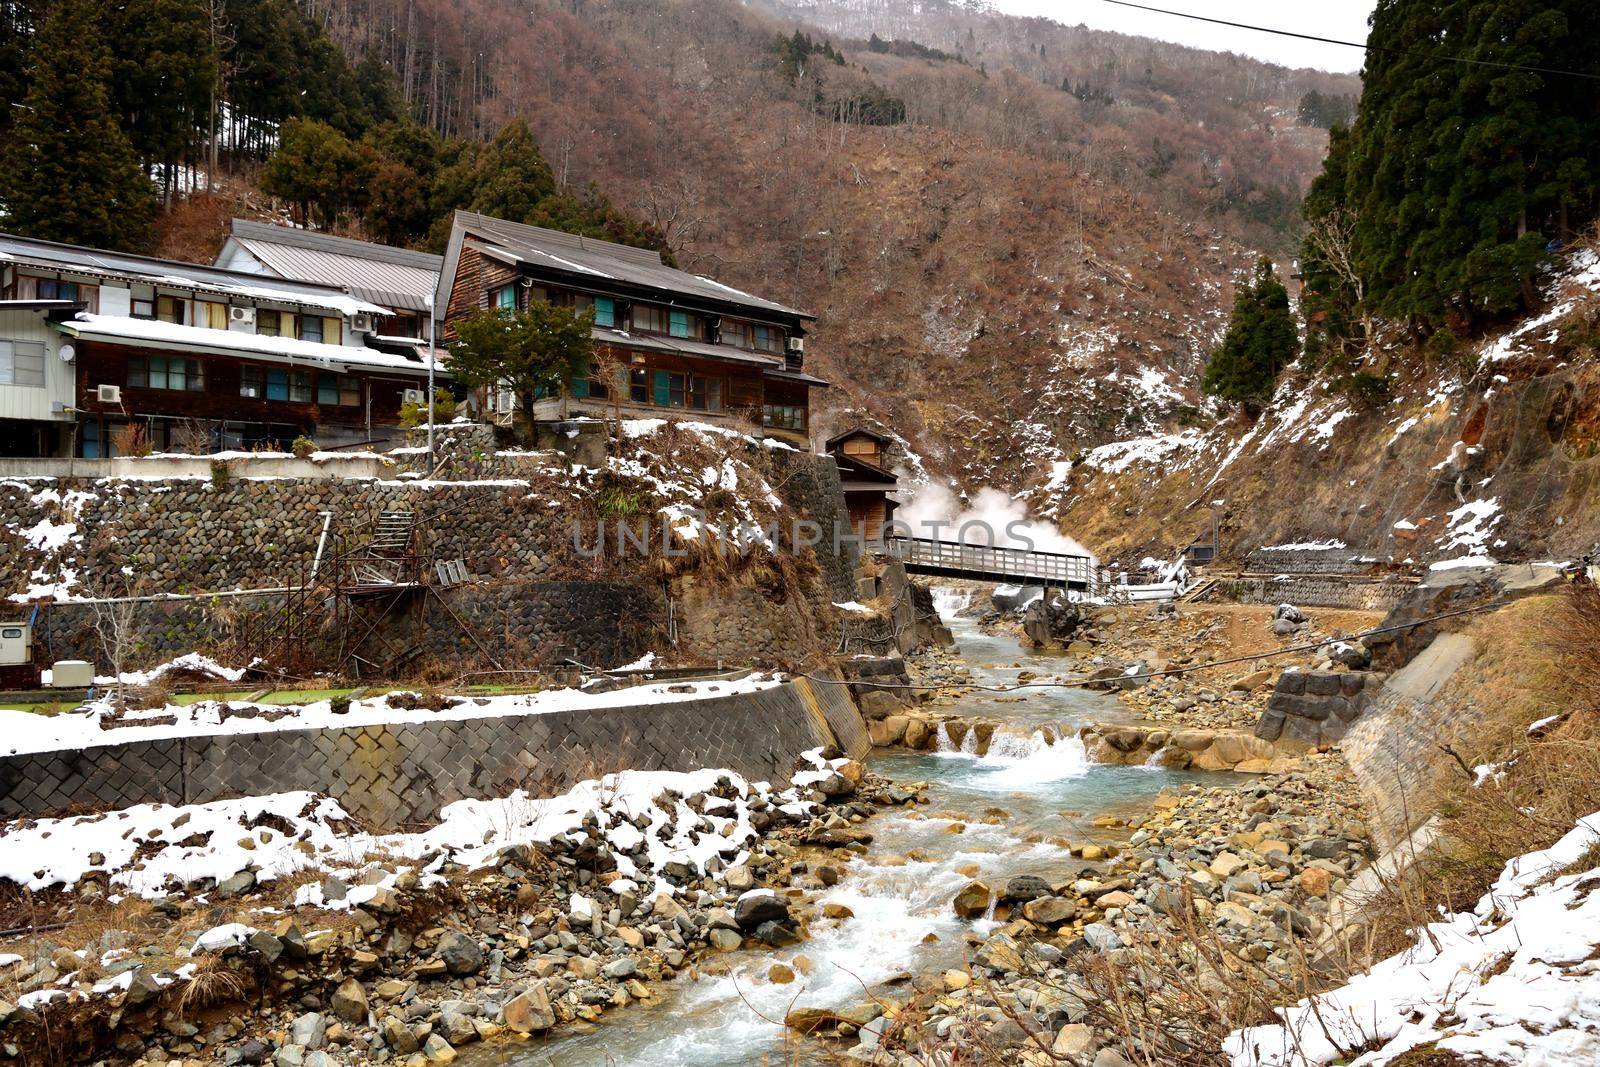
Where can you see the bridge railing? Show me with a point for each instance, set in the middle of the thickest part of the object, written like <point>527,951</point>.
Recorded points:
<point>1051,567</point>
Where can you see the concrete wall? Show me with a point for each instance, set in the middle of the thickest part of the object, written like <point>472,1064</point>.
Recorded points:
<point>1395,748</point>
<point>396,775</point>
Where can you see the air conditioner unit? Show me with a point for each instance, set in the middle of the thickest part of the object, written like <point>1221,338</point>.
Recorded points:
<point>244,316</point>
<point>415,396</point>
<point>797,344</point>
<point>361,323</point>
<point>108,394</point>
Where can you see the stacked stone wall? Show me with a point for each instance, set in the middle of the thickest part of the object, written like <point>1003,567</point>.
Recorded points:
<point>1316,708</point>
<point>1311,592</point>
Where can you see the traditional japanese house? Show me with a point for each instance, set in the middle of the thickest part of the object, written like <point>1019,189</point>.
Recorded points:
<point>668,342</point>
<point>398,279</point>
<point>92,341</point>
<point>866,481</point>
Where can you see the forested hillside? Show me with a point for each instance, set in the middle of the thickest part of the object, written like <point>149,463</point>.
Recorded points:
<point>1020,238</point>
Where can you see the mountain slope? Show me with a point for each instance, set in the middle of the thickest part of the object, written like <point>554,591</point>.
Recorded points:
<point>1005,271</point>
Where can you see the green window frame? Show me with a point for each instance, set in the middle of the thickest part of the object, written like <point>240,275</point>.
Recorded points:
<point>605,311</point>
<point>681,324</point>
<point>328,390</point>
<point>277,384</point>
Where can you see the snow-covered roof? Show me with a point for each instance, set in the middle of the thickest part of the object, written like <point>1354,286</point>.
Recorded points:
<point>121,330</point>
<point>170,273</point>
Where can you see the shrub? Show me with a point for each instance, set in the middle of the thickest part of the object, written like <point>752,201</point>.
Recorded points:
<point>413,415</point>
<point>303,447</point>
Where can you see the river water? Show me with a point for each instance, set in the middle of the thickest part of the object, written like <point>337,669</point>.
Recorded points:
<point>1014,807</point>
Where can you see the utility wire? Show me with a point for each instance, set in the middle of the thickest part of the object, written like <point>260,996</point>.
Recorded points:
<point>1144,676</point>
<point>1366,46</point>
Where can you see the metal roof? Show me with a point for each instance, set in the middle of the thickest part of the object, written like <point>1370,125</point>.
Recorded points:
<point>175,274</point>
<point>535,246</point>
<point>397,278</point>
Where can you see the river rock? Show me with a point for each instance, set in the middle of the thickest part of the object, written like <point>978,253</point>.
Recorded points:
<point>529,1011</point>
<point>1025,887</point>
<point>349,1002</point>
<point>1049,911</point>
<point>759,906</point>
<point>973,901</point>
<point>460,953</point>
<point>1102,938</point>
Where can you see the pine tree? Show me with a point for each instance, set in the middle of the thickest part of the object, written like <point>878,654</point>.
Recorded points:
<point>163,69</point>
<point>319,171</point>
<point>67,171</point>
<point>1261,340</point>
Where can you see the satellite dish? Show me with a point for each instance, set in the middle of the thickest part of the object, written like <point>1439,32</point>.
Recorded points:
<point>68,353</point>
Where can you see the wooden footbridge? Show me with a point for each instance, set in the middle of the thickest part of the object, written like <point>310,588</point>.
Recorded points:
<point>990,563</point>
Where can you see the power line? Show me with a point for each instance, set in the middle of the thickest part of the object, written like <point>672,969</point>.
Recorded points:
<point>1365,46</point>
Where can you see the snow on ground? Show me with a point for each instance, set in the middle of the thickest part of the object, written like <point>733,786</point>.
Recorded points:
<point>631,809</point>
<point>1306,546</point>
<point>1118,456</point>
<point>188,663</point>
<point>1468,527</point>
<point>1580,280</point>
<point>1513,981</point>
<point>24,731</point>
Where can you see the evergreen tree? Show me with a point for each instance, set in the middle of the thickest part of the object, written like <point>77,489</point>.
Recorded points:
<point>67,171</point>
<point>319,171</point>
<point>163,68</point>
<point>511,176</point>
<point>18,20</point>
<point>1461,177</point>
<point>532,352</point>
<point>1261,340</point>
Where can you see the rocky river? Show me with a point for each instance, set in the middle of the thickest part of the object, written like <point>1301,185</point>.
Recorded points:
<point>1016,810</point>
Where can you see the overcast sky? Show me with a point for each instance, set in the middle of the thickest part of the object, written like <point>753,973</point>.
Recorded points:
<point>1343,19</point>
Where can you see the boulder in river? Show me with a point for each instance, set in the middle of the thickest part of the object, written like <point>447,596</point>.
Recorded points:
<point>973,901</point>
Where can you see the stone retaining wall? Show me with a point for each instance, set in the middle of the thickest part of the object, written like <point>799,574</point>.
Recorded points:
<point>1310,592</point>
<point>400,774</point>
<point>1316,708</point>
<point>1315,560</point>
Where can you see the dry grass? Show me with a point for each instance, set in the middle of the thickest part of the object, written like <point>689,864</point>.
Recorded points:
<point>1539,658</point>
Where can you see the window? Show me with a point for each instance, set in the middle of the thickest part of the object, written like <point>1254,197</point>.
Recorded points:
<point>784,417</point>
<point>210,315</point>
<point>638,385</point>
<point>735,332</point>
<point>766,338</point>
<point>274,324</point>
<point>349,391</point>
<point>650,319</point>
<point>591,385</point>
<point>144,309</point>
<point>56,289</point>
<point>300,386</point>
<point>166,372</point>
<point>504,299</point>
<point>605,311</point>
<point>705,394</point>
<point>250,382</point>
<point>277,384</point>
<point>22,363</point>
<point>669,389</point>
<point>328,390</point>
<point>332,330</point>
<point>174,309</point>
<point>310,328</point>
<point>684,324</point>
<point>89,440</point>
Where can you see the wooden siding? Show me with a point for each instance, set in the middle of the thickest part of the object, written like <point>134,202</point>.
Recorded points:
<point>101,364</point>
<point>476,275</point>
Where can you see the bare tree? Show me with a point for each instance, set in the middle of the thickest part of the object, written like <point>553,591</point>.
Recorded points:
<point>1332,234</point>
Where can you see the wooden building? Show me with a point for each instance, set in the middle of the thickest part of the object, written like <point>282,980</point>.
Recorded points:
<point>667,342</point>
<point>867,483</point>
<point>93,341</point>
<point>400,280</point>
